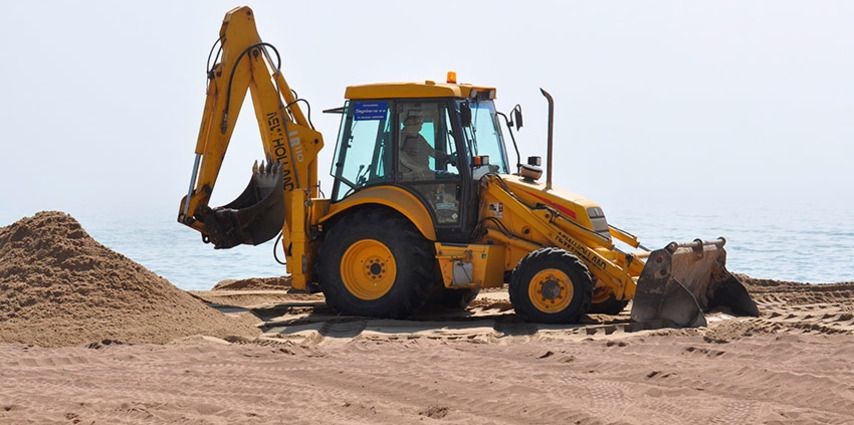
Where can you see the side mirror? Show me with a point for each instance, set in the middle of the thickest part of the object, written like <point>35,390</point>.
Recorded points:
<point>517,116</point>
<point>465,114</point>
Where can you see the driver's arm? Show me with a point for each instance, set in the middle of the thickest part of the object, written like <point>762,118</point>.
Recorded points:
<point>435,153</point>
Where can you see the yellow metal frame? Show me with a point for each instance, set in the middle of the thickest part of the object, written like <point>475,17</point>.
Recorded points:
<point>486,263</point>
<point>525,228</point>
<point>415,90</point>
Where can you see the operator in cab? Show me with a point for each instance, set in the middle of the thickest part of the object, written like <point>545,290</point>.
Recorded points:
<point>415,151</point>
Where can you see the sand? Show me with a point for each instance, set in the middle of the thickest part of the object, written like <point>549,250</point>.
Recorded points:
<point>254,283</point>
<point>58,286</point>
<point>370,378</point>
<point>793,364</point>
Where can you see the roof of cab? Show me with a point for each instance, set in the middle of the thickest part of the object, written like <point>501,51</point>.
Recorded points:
<point>415,90</point>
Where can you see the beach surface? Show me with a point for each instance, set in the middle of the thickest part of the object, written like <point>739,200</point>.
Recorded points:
<point>88,337</point>
<point>791,365</point>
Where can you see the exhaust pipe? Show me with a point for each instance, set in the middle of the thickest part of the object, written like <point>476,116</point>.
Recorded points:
<point>551,101</point>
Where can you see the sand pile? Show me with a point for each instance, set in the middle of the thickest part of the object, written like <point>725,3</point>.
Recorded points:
<point>279,283</point>
<point>256,293</point>
<point>58,286</point>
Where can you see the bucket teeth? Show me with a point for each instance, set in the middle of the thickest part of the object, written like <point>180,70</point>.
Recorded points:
<point>266,168</point>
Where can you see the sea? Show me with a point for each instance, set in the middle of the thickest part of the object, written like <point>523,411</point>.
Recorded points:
<point>775,243</point>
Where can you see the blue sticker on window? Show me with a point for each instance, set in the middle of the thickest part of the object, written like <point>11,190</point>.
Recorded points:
<point>369,111</point>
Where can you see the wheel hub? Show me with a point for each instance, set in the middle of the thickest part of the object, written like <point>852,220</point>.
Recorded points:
<point>368,269</point>
<point>551,290</point>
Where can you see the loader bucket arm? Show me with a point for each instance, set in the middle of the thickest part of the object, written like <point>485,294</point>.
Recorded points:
<point>682,281</point>
<point>280,189</point>
<point>673,287</point>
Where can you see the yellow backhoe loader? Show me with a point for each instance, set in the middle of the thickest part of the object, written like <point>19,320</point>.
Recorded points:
<point>424,204</point>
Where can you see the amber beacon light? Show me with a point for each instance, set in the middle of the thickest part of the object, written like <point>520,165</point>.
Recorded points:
<point>452,77</point>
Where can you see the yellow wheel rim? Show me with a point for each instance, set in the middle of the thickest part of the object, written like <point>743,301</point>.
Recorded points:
<point>550,291</point>
<point>368,269</point>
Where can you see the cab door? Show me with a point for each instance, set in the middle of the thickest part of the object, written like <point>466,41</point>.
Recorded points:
<point>431,162</point>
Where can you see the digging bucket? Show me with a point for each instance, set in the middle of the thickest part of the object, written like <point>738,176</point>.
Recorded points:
<point>255,216</point>
<point>682,281</point>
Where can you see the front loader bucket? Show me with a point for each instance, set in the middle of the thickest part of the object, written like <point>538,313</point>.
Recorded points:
<point>255,217</point>
<point>682,281</point>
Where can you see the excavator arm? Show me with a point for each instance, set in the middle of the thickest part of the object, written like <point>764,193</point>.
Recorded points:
<point>280,191</point>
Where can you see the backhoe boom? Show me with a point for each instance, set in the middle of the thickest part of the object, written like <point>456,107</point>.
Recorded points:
<point>280,190</point>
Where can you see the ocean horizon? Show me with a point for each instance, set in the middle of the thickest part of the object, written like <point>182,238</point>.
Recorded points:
<point>763,243</point>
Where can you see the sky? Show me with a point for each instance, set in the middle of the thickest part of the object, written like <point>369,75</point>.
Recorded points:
<point>659,105</point>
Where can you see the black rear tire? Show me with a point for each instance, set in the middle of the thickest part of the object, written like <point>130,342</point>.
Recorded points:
<point>548,259</point>
<point>414,258</point>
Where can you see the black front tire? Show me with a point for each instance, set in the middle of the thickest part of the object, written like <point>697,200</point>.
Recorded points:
<point>611,306</point>
<point>551,258</point>
<point>414,258</point>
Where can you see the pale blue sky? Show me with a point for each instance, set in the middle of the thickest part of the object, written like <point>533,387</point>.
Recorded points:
<point>659,104</point>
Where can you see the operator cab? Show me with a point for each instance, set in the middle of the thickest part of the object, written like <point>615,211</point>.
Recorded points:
<point>433,140</point>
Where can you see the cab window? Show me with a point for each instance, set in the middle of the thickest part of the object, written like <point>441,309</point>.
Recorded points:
<point>362,154</point>
<point>484,137</point>
<point>426,147</point>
